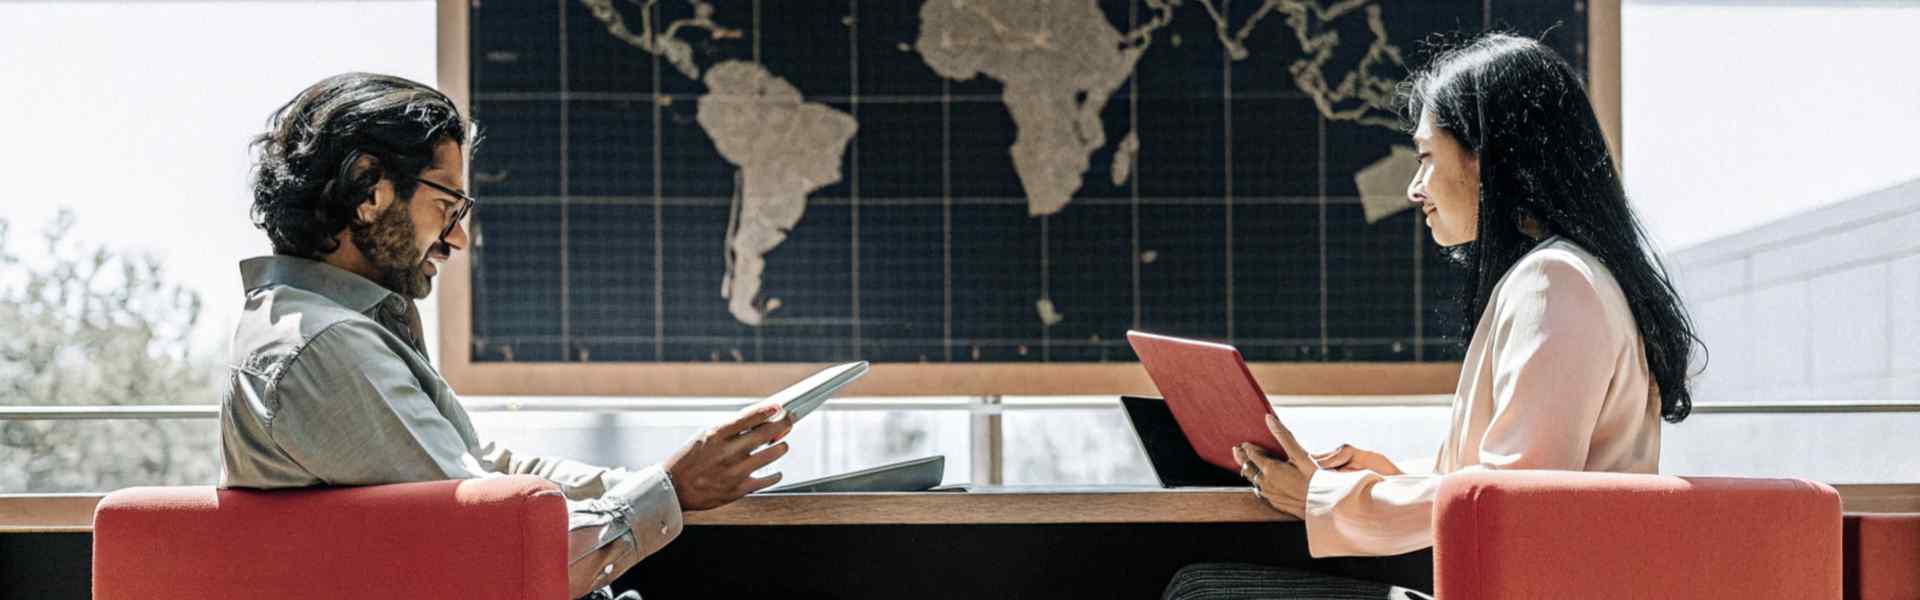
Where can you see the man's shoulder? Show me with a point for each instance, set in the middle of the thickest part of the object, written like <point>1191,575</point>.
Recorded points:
<point>279,322</point>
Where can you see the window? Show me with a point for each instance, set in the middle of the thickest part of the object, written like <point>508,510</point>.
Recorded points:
<point>134,118</point>
<point>1767,147</point>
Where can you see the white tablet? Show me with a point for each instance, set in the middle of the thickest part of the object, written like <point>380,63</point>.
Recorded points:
<point>917,475</point>
<point>801,398</point>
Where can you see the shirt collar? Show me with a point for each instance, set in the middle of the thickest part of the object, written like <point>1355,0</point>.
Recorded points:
<point>334,283</point>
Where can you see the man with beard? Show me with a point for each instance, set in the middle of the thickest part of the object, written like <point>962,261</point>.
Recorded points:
<point>358,185</point>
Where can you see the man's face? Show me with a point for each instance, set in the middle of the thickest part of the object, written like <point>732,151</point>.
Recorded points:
<point>401,238</point>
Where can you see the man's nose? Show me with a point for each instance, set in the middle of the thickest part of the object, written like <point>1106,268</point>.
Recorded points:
<point>457,238</point>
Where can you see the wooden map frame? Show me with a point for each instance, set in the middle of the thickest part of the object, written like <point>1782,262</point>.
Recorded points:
<point>907,379</point>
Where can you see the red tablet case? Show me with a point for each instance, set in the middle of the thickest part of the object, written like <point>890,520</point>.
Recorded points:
<point>1211,392</point>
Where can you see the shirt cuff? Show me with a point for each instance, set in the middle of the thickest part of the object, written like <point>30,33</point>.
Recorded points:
<point>637,503</point>
<point>1418,465</point>
<point>1324,493</point>
<point>656,517</point>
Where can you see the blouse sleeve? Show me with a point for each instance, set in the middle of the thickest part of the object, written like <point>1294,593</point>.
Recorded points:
<point>1553,357</point>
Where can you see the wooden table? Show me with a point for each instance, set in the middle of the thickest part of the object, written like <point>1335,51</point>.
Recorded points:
<point>1000,505</point>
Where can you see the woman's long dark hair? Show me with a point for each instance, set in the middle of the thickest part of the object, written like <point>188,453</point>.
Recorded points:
<point>1523,111</point>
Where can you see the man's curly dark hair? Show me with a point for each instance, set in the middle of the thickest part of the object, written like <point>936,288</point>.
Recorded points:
<point>306,187</point>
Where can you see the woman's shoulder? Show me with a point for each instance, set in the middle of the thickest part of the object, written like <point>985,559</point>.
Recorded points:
<point>1562,261</point>
<point>1561,270</point>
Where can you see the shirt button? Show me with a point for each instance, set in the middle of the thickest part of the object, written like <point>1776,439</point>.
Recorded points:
<point>663,528</point>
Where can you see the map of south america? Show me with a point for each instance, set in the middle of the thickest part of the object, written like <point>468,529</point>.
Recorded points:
<point>782,147</point>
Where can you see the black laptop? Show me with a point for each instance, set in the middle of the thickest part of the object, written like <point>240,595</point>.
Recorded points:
<point>1174,460</point>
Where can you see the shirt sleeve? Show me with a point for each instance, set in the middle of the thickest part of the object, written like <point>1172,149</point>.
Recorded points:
<point>600,498</point>
<point>1553,358</point>
<point>352,413</point>
<point>640,509</point>
<point>1418,465</point>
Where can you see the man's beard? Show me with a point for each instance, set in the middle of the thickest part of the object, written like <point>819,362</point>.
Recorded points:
<point>387,243</point>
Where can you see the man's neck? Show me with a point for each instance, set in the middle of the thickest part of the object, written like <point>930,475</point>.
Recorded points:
<point>348,257</point>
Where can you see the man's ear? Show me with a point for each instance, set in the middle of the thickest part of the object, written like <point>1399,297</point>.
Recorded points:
<point>377,196</point>
<point>377,199</point>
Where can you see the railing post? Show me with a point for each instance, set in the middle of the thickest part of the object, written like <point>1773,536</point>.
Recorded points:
<point>985,443</point>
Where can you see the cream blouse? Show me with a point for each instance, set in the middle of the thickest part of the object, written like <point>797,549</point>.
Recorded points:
<point>1555,377</point>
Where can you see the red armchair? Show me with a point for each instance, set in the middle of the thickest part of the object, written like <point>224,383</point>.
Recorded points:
<point>1513,534</point>
<point>1883,556</point>
<point>498,538</point>
<point>1550,534</point>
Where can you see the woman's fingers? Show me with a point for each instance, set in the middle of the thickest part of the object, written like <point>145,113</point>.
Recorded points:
<point>1295,453</point>
<point>1248,470</point>
<point>1262,460</point>
<point>1335,458</point>
<point>1278,482</point>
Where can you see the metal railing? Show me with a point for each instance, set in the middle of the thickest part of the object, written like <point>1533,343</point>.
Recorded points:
<point>985,406</point>
<point>986,440</point>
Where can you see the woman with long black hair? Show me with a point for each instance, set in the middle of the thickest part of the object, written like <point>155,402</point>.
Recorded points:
<point>1579,345</point>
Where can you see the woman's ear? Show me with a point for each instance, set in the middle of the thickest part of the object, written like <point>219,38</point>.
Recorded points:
<point>1470,176</point>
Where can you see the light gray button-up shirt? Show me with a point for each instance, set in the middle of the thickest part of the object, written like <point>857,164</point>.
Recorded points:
<point>329,384</point>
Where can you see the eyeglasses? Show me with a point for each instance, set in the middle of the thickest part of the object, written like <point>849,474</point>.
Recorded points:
<point>460,212</point>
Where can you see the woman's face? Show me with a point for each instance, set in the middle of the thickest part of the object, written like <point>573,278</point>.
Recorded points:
<point>1447,185</point>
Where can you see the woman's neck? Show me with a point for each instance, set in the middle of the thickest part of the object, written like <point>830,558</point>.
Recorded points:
<point>1534,229</point>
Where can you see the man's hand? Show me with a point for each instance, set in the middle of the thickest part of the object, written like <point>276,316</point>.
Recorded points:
<point>1349,458</point>
<point>717,467</point>
<point>1281,482</point>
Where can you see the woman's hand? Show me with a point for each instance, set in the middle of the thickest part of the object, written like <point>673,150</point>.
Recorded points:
<point>1349,458</point>
<point>1280,482</point>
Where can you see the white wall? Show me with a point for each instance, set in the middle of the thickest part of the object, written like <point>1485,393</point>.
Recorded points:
<point>1738,113</point>
<point>137,115</point>
<point>1820,307</point>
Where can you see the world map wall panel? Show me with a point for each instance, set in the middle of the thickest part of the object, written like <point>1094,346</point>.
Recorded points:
<point>956,181</point>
